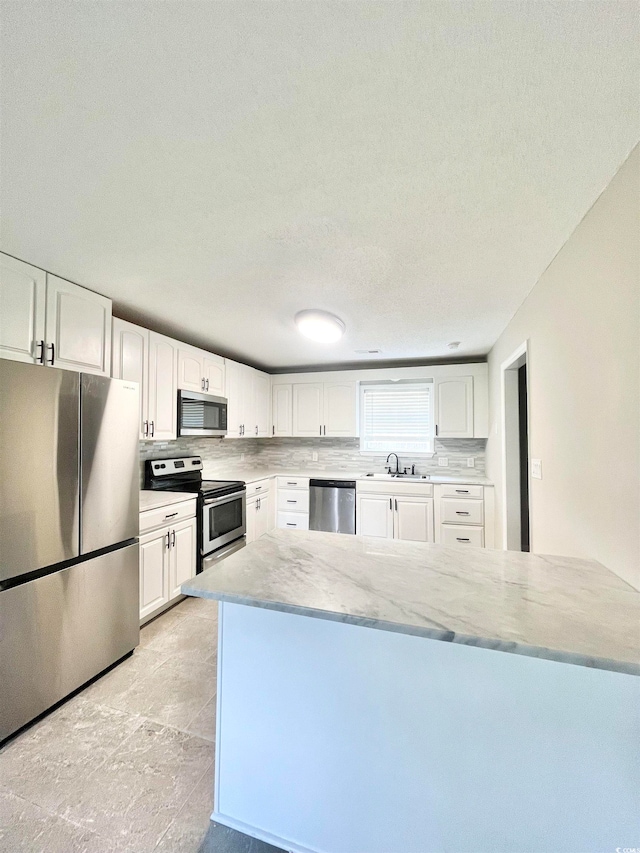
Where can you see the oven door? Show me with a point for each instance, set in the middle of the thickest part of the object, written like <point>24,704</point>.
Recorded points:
<point>201,414</point>
<point>223,520</point>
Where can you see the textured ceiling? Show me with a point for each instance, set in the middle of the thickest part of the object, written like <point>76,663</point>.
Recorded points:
<point>215,167</point>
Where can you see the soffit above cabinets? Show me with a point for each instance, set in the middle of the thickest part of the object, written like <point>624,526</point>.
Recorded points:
<point>215,168</point>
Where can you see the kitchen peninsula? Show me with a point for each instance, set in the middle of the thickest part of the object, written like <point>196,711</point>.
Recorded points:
<point>390,696</point>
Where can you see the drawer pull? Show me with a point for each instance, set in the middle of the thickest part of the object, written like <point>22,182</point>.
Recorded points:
<point>460,512</point>
<point>462,491</point>
<point>291,524</point>
<point>258,488</point>
<point>462,539</point>
<point>291,502</point>
<point>171,515</point>
<point>295,483</point>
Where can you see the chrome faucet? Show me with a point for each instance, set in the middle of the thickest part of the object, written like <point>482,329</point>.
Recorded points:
<point>388,467</point>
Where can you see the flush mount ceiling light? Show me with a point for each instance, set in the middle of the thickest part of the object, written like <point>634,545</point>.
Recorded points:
<point>454,345</point>
<point>320,326</point>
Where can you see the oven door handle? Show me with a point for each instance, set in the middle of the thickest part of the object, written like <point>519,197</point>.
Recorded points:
<point>225,498</point>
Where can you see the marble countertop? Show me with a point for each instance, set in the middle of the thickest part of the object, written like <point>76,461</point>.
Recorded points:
<point>558,608</point>
<point>252,475</point>
<point>154,499</point>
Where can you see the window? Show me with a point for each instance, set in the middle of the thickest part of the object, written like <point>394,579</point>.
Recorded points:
<point>396,416</point>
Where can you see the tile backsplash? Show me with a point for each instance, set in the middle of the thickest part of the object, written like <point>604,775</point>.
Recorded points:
<point>334,454</point>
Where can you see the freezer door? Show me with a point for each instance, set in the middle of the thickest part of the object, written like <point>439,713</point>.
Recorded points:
<point>39,418</point>
<point>109,466</point>
<point>62,629</point>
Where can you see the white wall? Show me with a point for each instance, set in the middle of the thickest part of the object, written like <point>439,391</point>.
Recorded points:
<point>582,321</point>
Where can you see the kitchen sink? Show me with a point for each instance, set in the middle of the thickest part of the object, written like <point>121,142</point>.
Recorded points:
<point>398,476</point>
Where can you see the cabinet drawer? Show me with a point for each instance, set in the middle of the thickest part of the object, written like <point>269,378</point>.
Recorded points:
<point>293,482</point>
<point>457,534</point>
<point>293,500</point>
<point>260,487</point>
<point>453,490</point>
<point>166,515</point>
<point>293,520</point>
<point>456,511</point>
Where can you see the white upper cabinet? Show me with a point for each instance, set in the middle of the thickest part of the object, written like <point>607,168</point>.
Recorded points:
<point>282,410</point>
<point>234,395</point>
<point>308,410</point>
<point>213,372</point>
<point>190,369</point>
<point>78,328</point>
<point>163,391</point>
<point>262,398</point>
<point>340,409</point>
<point>200,371</point>
<point>249,426</point>
<point>22,310</point>
<point>454,407</point>
<point>130,361</point>
<point>47,320</point>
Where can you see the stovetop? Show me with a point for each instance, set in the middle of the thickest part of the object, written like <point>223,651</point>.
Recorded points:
<point>183,474</point>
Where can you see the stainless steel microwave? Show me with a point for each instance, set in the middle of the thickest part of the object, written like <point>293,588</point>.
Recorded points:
<point>201,414</point>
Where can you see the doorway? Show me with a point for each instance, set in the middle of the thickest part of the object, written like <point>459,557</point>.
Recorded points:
<point>515,443</point>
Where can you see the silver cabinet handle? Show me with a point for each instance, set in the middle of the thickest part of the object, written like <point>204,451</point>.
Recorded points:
<point>320,429</point>
<point>460,512</point>
<point>202,384</point>
<point>207,388</point>
<point>325,429</point>
<point>171,515</point>
<point>256,430</point>
<point>273,430</point>
<point>295,483</point>
<point>258,504</point>
<point>145,431</point>
<point>390,504</point>
<point>153,428</point>
<point>396,503</point>
<point>436,429</point>
<point>168,541</point>
<point>173,539</point>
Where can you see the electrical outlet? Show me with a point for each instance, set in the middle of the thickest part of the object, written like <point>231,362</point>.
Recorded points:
<point>242,457</point>
<point>471,462</point>
<point>443,461</point>
<point>536,469</point>
<point>314,456</point>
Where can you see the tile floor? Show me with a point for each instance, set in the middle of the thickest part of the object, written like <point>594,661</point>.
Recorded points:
<point>126,766</point>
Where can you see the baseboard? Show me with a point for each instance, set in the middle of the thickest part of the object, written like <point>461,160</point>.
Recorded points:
<point>261,835</point>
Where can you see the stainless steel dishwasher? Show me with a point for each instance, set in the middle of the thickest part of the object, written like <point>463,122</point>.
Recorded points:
<point>332,505</point>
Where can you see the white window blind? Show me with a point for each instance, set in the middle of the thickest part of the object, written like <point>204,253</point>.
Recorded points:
<point>397,417</point>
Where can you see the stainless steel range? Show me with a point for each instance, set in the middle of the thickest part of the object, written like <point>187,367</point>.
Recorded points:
<point>222,505</point>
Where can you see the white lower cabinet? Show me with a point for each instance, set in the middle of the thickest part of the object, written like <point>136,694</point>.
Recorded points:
<point>393,516</point>
<point>292,504</point>
<point>258,516</point>
<point>464,515</point>
<point>458,534</point>
<point>167,556</point>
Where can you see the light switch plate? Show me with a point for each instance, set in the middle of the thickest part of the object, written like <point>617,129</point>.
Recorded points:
<point>471,462</point>
<point>536,469</point>
<point>314,456</point>
<point>443,461</point>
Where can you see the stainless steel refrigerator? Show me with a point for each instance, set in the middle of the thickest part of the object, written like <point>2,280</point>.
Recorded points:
<point>69,486</point>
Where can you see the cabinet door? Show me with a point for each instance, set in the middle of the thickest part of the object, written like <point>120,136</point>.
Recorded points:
<point>340,409</point>
<point>308,409</point>
<point>374,516</point>
<point>233,384</point>
<point>263,516</point>
<point>163,404</point>
<point>22,310</point>
<point>191,369</point>
<point>154,564</point>
<point>247,396</point>
<point>213,366</point>
<point>130,361</point>
<point>281,410</point>
<point>454,407</point>
<point>413,519</point>
<point>182,564</point>
<point>262,398</point>
<point>252,511</point>
<point>78,328</point>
